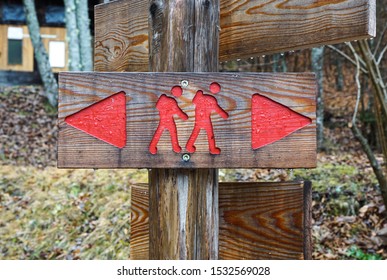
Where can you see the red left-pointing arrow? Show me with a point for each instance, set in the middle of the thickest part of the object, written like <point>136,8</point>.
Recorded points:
<point>105,120</point>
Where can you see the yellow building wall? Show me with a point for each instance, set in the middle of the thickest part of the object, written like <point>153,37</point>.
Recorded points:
<point>48,34</point>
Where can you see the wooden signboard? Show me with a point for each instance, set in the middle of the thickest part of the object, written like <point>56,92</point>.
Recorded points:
<point>256,221</point>
<point>247,28</point>
<point>186,120</point>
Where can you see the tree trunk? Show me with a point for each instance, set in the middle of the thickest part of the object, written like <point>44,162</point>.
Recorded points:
<point>339,69</point>
<point>183,216</point>
<point>83,24</point>
<point>73,36</point>
<point>378,170</point>
<point>284,65</point>
<point>49,81</point>
<point>317,67</point>
<point>276,59</point>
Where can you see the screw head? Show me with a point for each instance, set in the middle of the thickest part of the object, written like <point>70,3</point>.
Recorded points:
<point>184,83</point>
<point>186,157</point>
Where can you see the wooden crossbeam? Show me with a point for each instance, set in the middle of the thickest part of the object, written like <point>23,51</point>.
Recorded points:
<point>247,28</point>
<point>244,137</point>
<point>256,221</point>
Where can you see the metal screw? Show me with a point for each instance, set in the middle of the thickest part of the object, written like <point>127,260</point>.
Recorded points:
<point>184,83</point>
<point>186,157</point>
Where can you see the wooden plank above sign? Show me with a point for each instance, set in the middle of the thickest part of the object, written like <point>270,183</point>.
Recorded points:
<point>186,120</point>
<point>247,28</point>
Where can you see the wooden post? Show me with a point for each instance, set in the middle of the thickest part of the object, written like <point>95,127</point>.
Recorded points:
<point>184,36</point>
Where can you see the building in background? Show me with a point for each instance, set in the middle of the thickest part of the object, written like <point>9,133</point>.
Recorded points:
<point>17,63</point>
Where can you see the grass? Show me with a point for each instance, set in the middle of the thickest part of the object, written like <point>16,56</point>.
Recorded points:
<point>65,214</point>
<point>84,214</point>
<point>356,253</point>
<point>342,185</point>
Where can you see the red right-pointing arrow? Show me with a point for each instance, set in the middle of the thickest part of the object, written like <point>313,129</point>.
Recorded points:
<point>272,121</point>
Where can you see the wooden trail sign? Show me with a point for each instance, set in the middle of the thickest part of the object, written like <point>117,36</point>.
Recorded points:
<point>247,28</point>
<point>186,120</point>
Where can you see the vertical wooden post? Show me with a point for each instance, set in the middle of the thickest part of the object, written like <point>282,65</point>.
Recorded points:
<point>183,214</point>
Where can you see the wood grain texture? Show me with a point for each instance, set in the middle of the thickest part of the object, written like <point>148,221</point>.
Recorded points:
<point>261,221</point>
<point>253,28</point>
<point>79,150</point>
<point>308,245</point>
<point>139,225</point>
<point>183,214</point>
<point>121,36</point>
<point>247,28</point>
<point>257,221</point>
<point>184,202</point>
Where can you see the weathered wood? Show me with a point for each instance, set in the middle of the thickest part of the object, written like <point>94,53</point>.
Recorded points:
<point>262,220</point>
<point>247,28</point>
<point>233,135</point>
<point>183,214</point>
<point>121,36</point>
<point>184,203</point>
<point>308,245</point>
<point>139,222</point>
<point>257,221</point>
<point>252,28</point>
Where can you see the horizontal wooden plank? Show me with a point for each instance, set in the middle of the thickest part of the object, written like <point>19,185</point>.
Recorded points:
<point>253,28</point>
<point>261,221</point>
<point>257,221</point>
<point>121,36</point>
<point>247,28</point>
<point>77,149</point>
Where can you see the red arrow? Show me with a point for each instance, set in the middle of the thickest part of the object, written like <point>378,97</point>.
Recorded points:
<point>272,121</point>
<point>105,120</point>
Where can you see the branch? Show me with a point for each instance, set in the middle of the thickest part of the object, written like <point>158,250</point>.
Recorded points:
<point>380,39</point>
<point>357,77</point>
<point>362,62</point>
<point>347,57</point>
<point>378,170</point>
<point>375,75</point>
<point>381,55</point>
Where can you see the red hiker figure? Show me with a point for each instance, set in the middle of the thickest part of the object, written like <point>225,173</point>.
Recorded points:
<point>168,107</point>
<point>205,105</point>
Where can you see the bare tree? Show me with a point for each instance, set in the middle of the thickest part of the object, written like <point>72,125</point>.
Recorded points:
<point>85,41</point>
<point>369,57</point>
<point>78,30</point>
<point>371,62</point>
<point>317,67</point>
<point>49,81</point>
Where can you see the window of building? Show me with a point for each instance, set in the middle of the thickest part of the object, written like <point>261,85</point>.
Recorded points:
<point>15,45</point>
<point>15,52</point>
<point>57,54</point>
